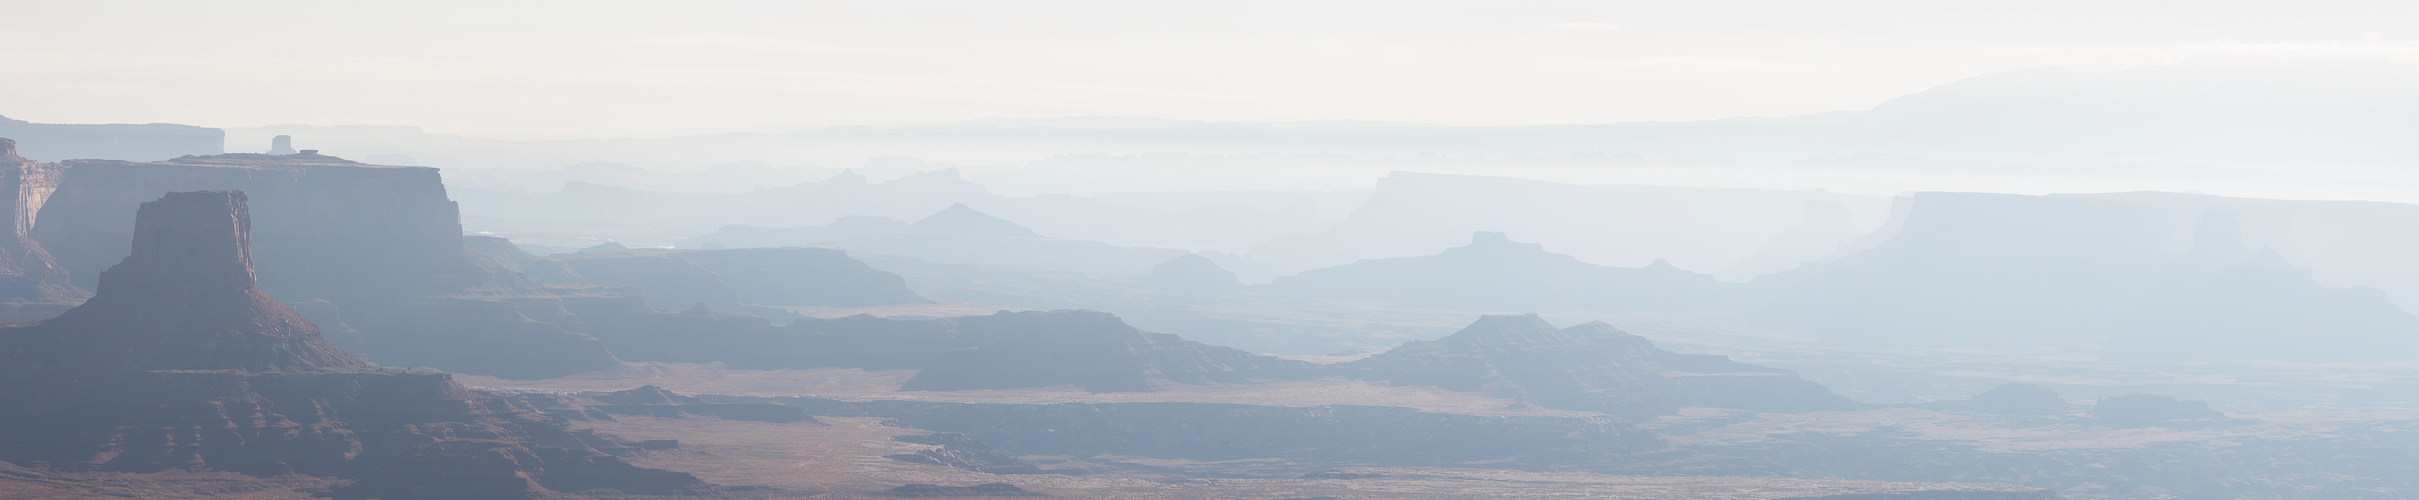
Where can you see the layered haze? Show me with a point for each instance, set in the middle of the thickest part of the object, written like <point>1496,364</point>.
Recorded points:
<point>1249,249</point>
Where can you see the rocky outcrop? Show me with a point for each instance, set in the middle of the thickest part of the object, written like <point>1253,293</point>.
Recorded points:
<point>652,401</point>
<point>115,141</point>
<point>1324,434</point>
<point>2152,408</point>
<point>1495,273</point>
<point>180,362</point>
<point>1088,349</point>
<point>1589,367</point>
<point>282,145</point>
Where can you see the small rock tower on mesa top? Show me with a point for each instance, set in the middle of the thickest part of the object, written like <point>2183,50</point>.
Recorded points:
<point>282,145</point>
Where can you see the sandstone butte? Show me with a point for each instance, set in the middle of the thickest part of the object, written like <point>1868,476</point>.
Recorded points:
<point>179,362</point>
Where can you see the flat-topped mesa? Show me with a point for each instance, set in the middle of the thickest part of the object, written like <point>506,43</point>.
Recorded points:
<point>327,228</point>
<point>185,300</point>
<point>27,272</point>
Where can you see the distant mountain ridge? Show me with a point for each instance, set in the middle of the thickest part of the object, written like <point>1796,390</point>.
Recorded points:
<point>50,142</point>
<point>2207,110</point>
<point>1493,273</point>
<point>1588,367</point>
<point>2140,275</point>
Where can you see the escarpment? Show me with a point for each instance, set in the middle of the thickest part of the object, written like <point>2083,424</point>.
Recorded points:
<point>180,362</point>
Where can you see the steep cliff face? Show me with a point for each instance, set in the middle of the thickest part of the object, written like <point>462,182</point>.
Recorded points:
<point>28,273</point>
<point>325,227</point>
<point>1589,367</point>
<point>180,362</point>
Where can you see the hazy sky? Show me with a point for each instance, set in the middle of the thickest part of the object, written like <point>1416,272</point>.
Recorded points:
<point>560,67</point>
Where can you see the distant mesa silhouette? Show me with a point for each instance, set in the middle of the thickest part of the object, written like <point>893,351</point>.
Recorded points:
<point>282,145</point>
<point>2021,399</point>
<point>610,246</point>
<point>1191,271</point>
<point>52,142</point>
<point>961,220</point>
